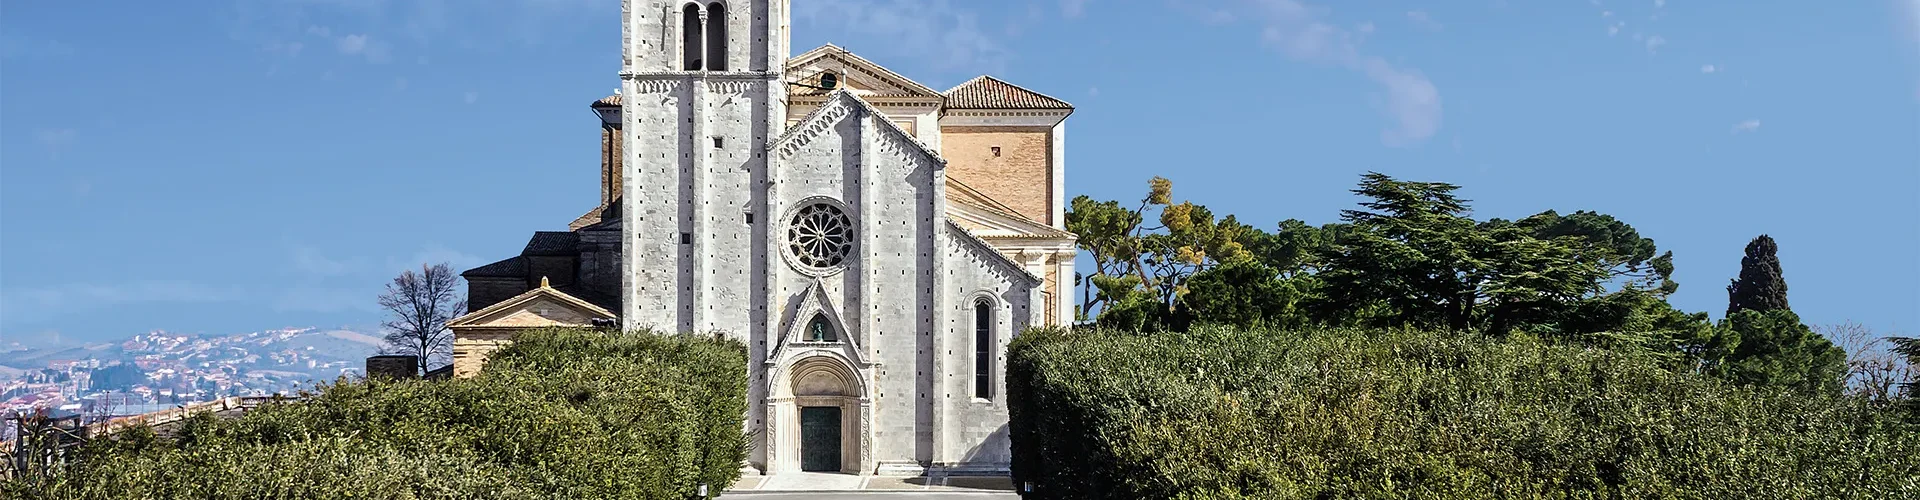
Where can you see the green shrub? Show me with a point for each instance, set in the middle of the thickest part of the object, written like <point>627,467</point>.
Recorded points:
<point>1219,413</point>
<point>559,414</point>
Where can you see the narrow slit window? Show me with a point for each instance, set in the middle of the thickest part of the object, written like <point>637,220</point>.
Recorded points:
<point>983,349</point>
<point>691,36</point>
<point>717,36</point>
<point>996,151</point>
<point>719,143</point>
<point>686,238</point>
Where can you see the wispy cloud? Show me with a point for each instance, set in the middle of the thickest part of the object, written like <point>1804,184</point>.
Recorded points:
<point>1300,32</point>
<point>1073,8</point>
<point>1421,19</point>
<point>353,44</point>
<point>1709,68</point>
<point>1655,42</point>
<point>932,30</point>
<point>1746,126</point>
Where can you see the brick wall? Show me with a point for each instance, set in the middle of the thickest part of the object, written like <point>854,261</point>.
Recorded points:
<point>610,162</point>
<point>471,349</point>
<point>483,292</point>
<point>1020,177</point>
<point>558,270</point>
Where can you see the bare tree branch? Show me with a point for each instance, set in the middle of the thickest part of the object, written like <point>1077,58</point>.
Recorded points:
<point>421,304</point>
<point>1874,370</point>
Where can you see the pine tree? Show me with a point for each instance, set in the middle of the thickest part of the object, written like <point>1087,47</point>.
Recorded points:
<point>1762,342</point>
<point>1760,286</point>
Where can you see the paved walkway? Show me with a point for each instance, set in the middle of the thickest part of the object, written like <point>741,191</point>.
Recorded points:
<point>793,482</point>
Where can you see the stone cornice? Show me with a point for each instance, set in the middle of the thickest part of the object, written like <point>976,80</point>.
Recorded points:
<point>1003,117</point>
<point>904,102</point>
<point>840,104</point>
<point>968,238</point>
<point>710,75</point>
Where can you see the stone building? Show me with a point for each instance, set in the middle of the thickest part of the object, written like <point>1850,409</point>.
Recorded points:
<point>875,242</point>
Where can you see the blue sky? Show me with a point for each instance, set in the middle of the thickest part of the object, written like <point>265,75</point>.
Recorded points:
<point>229,166</point>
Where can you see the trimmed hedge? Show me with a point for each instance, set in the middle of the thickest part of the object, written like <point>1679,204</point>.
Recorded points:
<point>559,414</point>
<point>1219,413</point>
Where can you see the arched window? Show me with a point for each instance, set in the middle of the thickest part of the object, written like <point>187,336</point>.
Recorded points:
<point>983,349</point>
<point>820,330</point>
<point>717,36</point>
<point>691,36</point>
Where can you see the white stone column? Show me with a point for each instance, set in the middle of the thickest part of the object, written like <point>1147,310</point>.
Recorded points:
<point>1059,155</point>
<point>1067,293</point>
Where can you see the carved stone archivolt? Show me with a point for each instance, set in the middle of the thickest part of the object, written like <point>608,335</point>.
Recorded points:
<point>813,126</point>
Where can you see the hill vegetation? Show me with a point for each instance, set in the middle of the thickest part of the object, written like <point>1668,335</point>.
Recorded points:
<point>1411,256</point>
<point>559,414</point>
<point>1348,413</point>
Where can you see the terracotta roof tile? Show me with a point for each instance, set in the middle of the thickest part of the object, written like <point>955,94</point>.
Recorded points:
<point>612,101</point>
<point>987,92</point>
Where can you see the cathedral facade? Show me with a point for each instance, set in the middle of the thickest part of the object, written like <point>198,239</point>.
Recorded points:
<point>874,242</point>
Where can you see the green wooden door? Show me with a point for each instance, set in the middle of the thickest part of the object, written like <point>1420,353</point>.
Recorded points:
<point>820,438</point>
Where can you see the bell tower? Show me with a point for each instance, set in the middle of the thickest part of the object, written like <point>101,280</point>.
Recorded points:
<point>701,98</point>
<point>705,35</point>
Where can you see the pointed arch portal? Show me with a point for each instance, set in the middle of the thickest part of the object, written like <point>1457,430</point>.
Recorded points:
<point>818,415</point>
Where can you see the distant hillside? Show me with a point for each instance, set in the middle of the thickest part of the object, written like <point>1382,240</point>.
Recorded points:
<point>270,360</point>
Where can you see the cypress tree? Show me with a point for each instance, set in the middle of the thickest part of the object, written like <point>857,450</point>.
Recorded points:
<point>1760,286</point>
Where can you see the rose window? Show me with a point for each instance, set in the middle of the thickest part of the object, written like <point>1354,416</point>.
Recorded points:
<point>820,236</point>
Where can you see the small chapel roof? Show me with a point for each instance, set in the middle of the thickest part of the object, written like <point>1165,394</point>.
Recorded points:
<point>987,92</point>
<point>612,101</point>
<point>476,318</point>
<point>543,243</point>
<point>512,267</point>
<point>553,243</point>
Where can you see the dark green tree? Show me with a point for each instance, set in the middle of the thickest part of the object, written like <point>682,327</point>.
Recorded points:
<point>1773,349</point>
<point>1761,286</point>
<point>1413,257</point>
<point>1761,341</point>
<point>1295,248</point>
<point>1630,259</point>
<point>1412,251</point>
<point>1646,319</point>
<point>1244,294</point>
